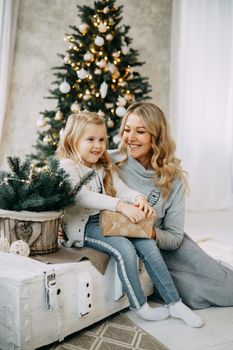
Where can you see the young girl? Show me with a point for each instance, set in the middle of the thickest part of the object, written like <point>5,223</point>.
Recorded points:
<point>83,146</point>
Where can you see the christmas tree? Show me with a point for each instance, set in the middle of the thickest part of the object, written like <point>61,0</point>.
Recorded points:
<point>98,74</point>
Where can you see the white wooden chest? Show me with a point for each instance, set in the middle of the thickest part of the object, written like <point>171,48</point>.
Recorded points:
<point>42,303</point>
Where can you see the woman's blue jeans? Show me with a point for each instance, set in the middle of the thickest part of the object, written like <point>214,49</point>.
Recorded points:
<point>125,251</point>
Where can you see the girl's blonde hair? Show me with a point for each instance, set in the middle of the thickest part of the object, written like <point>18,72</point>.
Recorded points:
<point>167,166</point>
<point>67,148</point>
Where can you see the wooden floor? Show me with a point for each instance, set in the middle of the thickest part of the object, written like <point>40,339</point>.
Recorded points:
<point>217,334</point>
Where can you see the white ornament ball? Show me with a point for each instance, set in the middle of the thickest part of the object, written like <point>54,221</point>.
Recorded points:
<point>40,122</point>
<point>112,68</point>
<point>75,107</point>
<point>99,41</point>
<point>106,10</point>
<point>58,116</point>
<point>109,37</point>
<point>102,28</point>
<point>86,97</point>
<point>124,50</point>
<point>103,89</point>
<point>101,113</point>
<point>109,105</point>
<point>115,54</point>
<point>82,73</point>
<point>66,59</point>
<point>88,56</point>
<point>98,71</point>
<point>116,139</point>
<point>121,101</point>
<point>102,63</point>
<point>64,87</point>
<point>20,247</point>
<point>83,28</point>
<point>47,140</point>
<point>4,245</point>
<point>120,111</point>
<point>110,123</point>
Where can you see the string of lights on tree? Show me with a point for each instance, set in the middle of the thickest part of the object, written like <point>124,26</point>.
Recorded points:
<point>31,188</point>
<point>98,74</point>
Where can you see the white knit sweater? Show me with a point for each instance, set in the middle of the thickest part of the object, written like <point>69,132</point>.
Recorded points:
<point>89,201</point>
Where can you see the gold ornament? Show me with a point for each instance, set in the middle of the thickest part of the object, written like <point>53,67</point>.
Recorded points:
<point>116,74</point>
<point>129,97</point>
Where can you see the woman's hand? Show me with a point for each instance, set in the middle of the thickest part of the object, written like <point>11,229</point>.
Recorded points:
<point>135,214</point>
<point>142,204</point>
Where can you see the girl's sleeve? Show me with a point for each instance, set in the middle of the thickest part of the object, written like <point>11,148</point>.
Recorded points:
<point>123,191</point>
<point>170,236</point>
<point>87,198</point>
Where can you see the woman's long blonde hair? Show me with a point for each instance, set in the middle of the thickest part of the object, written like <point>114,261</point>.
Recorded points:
<point>167,166</point>
<point>67,148</point>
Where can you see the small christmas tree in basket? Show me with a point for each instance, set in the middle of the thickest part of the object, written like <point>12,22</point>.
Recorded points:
<point>31,205</point>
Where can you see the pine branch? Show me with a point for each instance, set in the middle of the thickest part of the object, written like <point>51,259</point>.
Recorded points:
<point>48,189</point>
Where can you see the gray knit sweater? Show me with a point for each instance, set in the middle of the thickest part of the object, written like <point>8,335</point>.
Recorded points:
<point>169,222</point>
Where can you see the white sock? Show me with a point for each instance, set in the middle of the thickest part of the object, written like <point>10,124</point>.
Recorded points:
<point>180,310</point>
<point>152,313</point>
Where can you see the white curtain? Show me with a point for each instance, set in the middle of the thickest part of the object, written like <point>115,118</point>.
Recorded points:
<point>202,99</point>
<point>8,24</point>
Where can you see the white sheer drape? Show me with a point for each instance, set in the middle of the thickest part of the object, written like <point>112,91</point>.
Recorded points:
<point>8,22</point>
<point>202,98</point>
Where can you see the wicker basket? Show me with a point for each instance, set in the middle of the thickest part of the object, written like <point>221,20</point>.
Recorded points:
<point>39,230</point>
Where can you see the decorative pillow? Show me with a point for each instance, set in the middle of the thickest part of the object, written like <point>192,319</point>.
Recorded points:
<point>117,224</point>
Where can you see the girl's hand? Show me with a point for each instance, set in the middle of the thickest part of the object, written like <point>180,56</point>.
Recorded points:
<point>132,212</point>
<point>142,204</point>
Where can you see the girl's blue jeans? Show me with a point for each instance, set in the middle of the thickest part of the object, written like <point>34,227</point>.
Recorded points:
<point>125,251</point>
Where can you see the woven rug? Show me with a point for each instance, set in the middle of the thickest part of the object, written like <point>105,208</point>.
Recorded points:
<point>116,332</point>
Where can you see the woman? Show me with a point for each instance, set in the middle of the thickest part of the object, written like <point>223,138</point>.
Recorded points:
<point>146,161</point>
